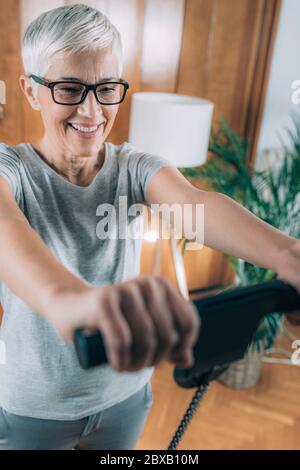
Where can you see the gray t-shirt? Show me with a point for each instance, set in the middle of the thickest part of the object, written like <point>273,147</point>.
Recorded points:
<point>42,377</point>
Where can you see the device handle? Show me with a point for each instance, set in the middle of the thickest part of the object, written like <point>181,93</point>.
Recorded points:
<point>270,296</point>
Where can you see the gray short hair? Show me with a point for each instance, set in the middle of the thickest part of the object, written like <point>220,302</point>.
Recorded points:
<point>68,29</point>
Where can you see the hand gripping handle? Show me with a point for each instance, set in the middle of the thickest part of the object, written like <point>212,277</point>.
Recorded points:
<point>256,300</point>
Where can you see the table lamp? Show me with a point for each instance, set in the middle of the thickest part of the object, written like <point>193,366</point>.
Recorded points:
<point>176,127</point>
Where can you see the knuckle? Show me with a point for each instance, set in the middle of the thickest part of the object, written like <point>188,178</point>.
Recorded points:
<point>120,347</point>
<point>188,325</point>
<point>193,316</point>
<point>143,278</point>
<point>196,321</point>
<point>106,297</point>
<point>143,281</point>
<point>164,281</point>
<point>159,278</point>
<point>128,291</point>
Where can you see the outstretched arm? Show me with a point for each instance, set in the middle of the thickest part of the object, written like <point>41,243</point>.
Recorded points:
<point>228,226</point>
<point>27,266</point>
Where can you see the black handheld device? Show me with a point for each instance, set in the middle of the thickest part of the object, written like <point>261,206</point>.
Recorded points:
<point>228,323</point>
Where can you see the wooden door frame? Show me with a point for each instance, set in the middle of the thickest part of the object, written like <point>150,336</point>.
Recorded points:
<point>266,42</point>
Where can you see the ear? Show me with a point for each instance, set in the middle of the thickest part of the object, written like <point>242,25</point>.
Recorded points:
<point>26,87</point>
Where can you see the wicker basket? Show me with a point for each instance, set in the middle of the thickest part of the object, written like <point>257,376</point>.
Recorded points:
<point>244,373</point>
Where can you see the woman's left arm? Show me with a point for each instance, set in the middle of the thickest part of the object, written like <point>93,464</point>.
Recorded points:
<point>229,227</point>
<point>234,230</point>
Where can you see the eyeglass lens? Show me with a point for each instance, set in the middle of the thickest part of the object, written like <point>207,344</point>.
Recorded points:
<point>69,93</point>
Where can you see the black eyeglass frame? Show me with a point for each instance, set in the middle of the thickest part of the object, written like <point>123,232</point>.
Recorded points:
<point>87,88</point>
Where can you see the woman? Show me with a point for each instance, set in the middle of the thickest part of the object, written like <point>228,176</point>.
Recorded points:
<point>58,269</point>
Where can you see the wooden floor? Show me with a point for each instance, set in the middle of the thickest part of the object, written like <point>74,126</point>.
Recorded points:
<point>266,416</point>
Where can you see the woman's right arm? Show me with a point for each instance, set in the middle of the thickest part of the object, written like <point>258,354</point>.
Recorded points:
<point>143,320</point>
<point>27,266</point>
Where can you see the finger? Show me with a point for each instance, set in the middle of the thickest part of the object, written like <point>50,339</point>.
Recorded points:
<point>187,321</point>
<point>159,309</point>
<point>117,336</point>
<point>185,359</point>
<point>143,331</point>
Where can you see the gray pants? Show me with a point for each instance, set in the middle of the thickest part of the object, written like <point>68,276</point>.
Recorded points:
<point>118,427</point>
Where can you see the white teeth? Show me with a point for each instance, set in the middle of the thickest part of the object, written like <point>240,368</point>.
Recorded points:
<point>84,129</point>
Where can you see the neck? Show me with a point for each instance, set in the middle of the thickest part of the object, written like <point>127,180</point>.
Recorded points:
<point>77,169</point>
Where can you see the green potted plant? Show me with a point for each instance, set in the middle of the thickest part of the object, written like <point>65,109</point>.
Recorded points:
<point>271,194</point>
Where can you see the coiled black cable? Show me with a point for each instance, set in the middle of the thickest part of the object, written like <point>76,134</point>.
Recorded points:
<point>192,408</point>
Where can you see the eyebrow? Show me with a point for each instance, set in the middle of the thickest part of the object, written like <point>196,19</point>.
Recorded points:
<point>78,80</point>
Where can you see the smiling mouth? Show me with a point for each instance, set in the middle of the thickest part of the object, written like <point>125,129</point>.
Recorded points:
<point>85,131</point>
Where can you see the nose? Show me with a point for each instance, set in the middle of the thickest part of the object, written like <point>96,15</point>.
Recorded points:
<point>90,106</point>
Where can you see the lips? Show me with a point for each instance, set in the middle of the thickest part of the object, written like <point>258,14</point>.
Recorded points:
<point>81,124</point>
<point>83,133</point>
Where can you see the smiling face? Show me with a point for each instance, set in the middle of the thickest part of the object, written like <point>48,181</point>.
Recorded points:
<point>88,67</point>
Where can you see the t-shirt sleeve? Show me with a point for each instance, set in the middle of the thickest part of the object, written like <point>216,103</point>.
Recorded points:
<point>142,167</point>
<point>10,168</point>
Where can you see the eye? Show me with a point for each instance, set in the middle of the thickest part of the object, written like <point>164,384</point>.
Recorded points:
<point>70,89</point>
<point>107,90</point>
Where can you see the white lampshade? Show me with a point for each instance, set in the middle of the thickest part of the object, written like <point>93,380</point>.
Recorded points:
<point>176,127</point>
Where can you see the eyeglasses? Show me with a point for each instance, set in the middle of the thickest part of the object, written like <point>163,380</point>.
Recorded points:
<point>70,93</point>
